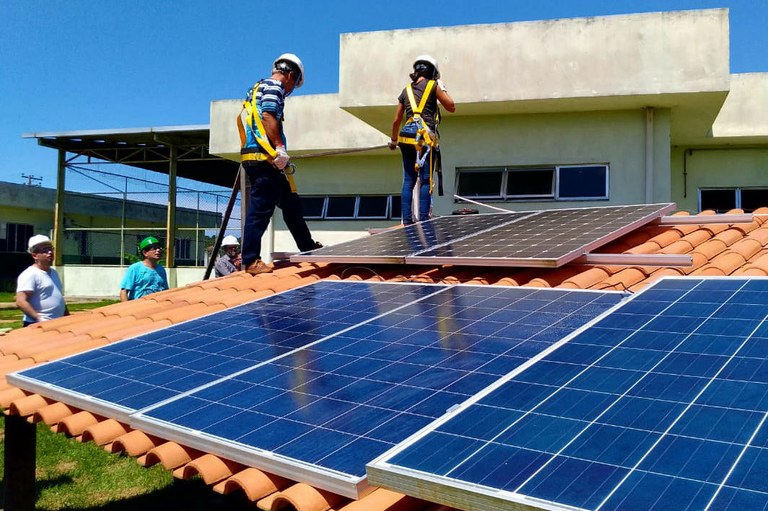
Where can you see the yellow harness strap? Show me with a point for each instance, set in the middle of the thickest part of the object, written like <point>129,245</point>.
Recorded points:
<point>253,118</point>
<point>423,136</point>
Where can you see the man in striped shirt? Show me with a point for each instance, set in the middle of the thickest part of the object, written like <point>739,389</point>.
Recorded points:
<point>264,157</point>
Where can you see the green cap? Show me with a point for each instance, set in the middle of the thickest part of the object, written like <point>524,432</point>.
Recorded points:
<point>148,241</point>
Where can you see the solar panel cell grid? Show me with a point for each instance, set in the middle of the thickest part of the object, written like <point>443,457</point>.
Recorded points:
<point>139,372</point>
<point>343,401</point>
<point>676,420</point>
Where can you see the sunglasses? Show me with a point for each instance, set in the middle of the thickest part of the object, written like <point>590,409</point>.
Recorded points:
<point>154,247</point>
<point>43,250</point>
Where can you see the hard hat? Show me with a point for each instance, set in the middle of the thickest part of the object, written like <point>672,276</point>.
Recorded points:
<point>429,60</point>
<point>37,239</point>
<point>296,61</point>
<point>229,241</point>
<point>148,241</point>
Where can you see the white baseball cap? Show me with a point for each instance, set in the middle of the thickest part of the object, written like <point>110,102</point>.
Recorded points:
<point>36,240</point>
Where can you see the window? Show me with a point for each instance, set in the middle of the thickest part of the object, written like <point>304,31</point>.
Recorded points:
<point>340,207</point>
<point>559,182</point>
<point>348,207</point>
<point>724,199</point>
<point>183,248</point>
<point>14,237</point>
<point>582,182</point>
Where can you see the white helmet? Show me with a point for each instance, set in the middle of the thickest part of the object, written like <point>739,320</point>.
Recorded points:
<point>296,61</point>
<point>37,239</point>
<point>230,241</point>
<point>429,59</point>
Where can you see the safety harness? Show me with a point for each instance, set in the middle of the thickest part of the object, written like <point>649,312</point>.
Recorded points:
<point>415,132</point>
<point>255,129</point>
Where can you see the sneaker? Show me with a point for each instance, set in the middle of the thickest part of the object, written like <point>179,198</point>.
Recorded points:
<point>257,267</point>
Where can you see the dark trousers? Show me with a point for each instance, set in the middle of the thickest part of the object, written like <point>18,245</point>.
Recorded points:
<point>270,188</point>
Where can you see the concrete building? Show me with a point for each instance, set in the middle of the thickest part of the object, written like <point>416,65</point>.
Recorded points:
<point>620,109</point>
<point>99,232</point>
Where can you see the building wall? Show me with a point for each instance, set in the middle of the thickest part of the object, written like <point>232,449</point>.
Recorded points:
<point>104,281</point>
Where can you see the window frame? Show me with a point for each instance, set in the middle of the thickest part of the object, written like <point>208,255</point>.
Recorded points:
<point>388,213</point>
<point>556,180</point>
<point>737,191</point>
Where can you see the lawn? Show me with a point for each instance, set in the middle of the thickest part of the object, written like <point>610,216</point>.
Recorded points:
<point>72,475</point>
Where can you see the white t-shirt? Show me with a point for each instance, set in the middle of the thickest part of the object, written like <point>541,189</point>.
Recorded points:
<point>47,298</point>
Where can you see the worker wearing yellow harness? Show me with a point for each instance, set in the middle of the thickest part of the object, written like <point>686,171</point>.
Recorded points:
<point>264,157</point>
<point>417,138</point>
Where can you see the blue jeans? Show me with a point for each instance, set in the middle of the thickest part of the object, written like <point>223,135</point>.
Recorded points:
<point>270,188</point>
<point>409,181</point>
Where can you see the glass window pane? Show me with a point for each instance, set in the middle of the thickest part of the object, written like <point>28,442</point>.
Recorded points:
<point>373,206</point>
<point>583,182</point>
<point>480,183</point>
<point>312,207</point>
<point>718,200</point>
<point>530,183</point>
<point>341,207</point>
<point>396,211</point>
<point>753,198</point>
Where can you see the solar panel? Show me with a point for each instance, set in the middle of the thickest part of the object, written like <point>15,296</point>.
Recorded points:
<point>394,245</point>
<point>530,239</point>
<point>320,413</point>
<point>123,377</point>
<point>547,239</point>
<point>661,404</point>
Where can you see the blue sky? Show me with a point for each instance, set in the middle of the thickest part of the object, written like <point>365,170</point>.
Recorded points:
<point>82,65</point>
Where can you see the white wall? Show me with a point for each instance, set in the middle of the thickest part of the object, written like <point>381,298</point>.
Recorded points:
<point>104,281</point>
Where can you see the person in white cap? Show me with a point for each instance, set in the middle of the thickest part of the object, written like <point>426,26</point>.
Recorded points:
<point>38,288</point>
<point>230,261</point>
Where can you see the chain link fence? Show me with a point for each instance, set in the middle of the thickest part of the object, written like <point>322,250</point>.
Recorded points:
<point>109,209</point>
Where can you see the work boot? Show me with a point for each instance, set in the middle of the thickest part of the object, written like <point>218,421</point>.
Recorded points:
<point>317,245</point>
<point>257,267</point>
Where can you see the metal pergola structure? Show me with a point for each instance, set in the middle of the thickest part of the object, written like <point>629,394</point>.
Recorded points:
<point>177,151</point>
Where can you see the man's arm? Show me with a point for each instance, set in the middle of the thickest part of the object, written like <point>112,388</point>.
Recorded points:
<point>22,302</point>
<point>123,295</point>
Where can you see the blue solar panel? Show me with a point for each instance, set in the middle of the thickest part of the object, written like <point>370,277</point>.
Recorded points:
<point>324,411</point>
<point>130,375</point>
<point>661,404</point>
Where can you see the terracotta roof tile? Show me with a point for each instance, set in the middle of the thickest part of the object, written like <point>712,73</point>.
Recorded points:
<point>28,405</point>
<point>134,443</point>
<point>711,248</point>
<point>304,497</point>
<point>9,395</point>
<point>74,425</point>
<point>666,237</point>
<point>53,413</point>
<point>586,279</point>
<point>104,432</point>
<point>254,483</point>
<point>74,345</point>
<point>211,469</point>
<point>170,454</point>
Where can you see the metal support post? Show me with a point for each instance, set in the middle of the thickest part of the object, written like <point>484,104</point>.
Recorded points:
<point>20,444</point>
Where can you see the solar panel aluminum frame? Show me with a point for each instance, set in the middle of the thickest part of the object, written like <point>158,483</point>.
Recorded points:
<point>313,257</point>
<point>296,470</point>
<point>535,262</point>
<point>467,495</point>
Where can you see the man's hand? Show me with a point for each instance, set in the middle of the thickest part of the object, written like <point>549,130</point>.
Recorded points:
<point>281,159</point>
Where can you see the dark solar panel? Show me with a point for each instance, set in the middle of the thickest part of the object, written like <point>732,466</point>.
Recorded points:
<point>546,239</point>
<point>661,404</point>
<point>129,375</point>
<point>322,412</point>
<point>394,245</point>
